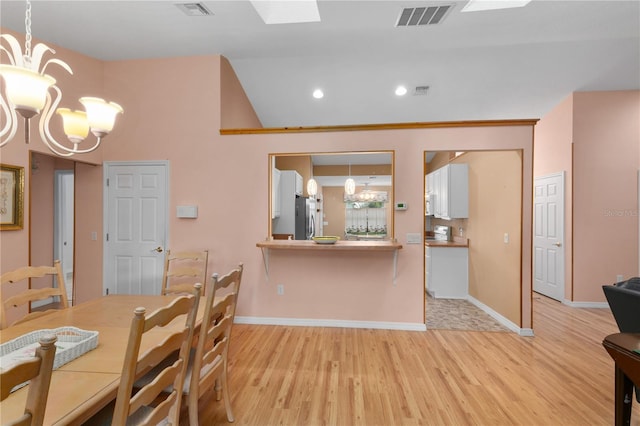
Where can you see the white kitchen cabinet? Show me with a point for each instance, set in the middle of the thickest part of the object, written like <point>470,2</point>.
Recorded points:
<point>447,272</point>
<point>275,193</point>
<point>451,191</point>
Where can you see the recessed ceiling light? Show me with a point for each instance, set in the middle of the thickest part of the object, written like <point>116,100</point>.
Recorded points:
<point>318,94</point>
<point>401,90</point>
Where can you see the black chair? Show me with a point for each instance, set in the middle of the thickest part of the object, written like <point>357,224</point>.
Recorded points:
<point>624,301</point>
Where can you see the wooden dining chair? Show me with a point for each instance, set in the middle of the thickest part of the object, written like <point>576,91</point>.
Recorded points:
<point>208,366</point>
<point>183,269</point>
<point>37,371</point>
<point>14,278</point>
<point>138,409</point>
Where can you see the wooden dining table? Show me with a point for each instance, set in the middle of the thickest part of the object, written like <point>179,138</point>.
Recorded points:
<point>82,387</point>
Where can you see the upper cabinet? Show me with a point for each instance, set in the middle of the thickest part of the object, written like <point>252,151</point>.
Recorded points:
<point>449,196</point>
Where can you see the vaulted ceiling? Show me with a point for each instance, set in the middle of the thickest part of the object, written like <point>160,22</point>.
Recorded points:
<point>500,64</point>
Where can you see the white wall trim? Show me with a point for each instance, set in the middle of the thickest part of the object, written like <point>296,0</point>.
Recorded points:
<point>501,319</point>
<point>42,302</point>
<point>309,322</point>
<point>603,305</point>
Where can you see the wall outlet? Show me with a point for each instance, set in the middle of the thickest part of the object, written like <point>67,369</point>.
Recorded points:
<point>280,289</point>
<point>506,238</point>
<point>619,278</point>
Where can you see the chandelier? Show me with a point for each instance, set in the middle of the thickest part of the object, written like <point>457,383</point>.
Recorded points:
<point>27,94</point>
<point>367,195</point>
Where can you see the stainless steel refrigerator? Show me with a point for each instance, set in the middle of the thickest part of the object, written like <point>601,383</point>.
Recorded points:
<point>305,218</point>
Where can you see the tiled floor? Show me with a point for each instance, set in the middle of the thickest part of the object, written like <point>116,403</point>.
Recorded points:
<point>456,314</point>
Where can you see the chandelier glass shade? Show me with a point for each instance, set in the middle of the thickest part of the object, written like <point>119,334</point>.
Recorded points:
<point>367,195</point>
<point>29,92</point>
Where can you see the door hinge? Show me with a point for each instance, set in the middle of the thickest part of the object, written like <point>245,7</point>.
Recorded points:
<point>107,236</point>
<point>107,181</point>
<point>107,291</point>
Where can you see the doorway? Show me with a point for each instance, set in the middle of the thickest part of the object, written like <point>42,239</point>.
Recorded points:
<point>51,216</point>
<point>136,226</point>
<point>63,219</point>
<point>493,230</point>
<point>548,236</point>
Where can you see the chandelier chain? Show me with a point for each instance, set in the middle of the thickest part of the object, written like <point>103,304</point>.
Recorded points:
<point>27,24</point>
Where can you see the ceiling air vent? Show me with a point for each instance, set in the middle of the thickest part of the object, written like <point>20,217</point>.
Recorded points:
<point>194,9</point>
<point>428,15</point>
<point>421,90</point>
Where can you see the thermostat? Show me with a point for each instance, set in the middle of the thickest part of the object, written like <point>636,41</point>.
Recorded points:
<point>401,205</point>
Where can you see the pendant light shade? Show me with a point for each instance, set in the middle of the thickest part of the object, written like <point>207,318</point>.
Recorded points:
<point>350,186</point>
<point>312,187</point>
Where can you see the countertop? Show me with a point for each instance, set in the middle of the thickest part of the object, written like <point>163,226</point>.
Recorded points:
<point>457,242</point>
<point>338,246</point>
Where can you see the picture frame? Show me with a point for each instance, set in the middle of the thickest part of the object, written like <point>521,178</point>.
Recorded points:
<point>11,197</point>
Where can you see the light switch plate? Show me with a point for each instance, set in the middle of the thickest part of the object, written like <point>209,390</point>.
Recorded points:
<point>187,212</point>
<point>414,238</point>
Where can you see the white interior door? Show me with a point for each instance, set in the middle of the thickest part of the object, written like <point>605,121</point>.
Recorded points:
<point>548,219</point>
<point>136,204</point>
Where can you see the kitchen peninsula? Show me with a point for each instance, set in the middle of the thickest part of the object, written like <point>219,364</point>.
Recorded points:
<point>339,247</point>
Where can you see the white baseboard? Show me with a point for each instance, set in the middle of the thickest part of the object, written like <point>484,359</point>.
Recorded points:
<point>528,332</point>
<point>602,305</point>
<point>307,322</point>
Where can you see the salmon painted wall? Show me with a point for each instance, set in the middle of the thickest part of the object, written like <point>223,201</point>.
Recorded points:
<point>494,209</point>
<point>553,154</point>
<point>606,138</point>
<point>237,111</point>
<point>233,200</point>
<point>227,177</point>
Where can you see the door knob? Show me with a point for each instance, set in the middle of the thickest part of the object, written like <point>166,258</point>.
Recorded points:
<point>557,244</point>
<point>158,249</point>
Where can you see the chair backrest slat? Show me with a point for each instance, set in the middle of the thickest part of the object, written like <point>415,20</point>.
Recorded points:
<point>21,277</point>
<point>183,269</point>
<point>212,351</point>
<point>168,373</point>
<point>38,371</point>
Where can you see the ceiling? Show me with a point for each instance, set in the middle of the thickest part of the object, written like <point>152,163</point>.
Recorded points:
<point>503,64</point>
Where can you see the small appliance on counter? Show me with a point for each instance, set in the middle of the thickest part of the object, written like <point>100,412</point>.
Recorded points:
<point>442,233</point>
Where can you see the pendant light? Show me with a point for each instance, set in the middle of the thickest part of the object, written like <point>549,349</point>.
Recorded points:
<point>350,184</point>
<point>312,185</point>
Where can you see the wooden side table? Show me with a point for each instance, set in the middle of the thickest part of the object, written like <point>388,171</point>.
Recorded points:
<point>622,348</point>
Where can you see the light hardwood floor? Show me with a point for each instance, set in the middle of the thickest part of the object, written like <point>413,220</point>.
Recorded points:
<point>333,376</point>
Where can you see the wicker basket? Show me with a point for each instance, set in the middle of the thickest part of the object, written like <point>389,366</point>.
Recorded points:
<point>72,342</point>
